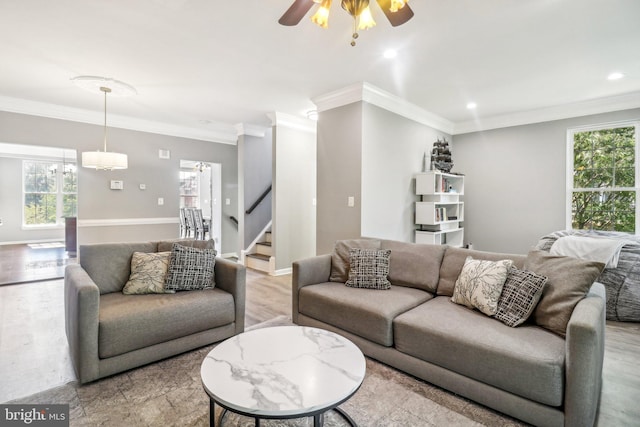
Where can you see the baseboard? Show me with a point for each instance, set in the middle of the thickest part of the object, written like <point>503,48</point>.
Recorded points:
<point>26,242</point>
<point>283,272</point>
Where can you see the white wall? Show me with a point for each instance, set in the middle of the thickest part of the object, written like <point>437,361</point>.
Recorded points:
<point>393,148</point>
<point>294,189</point>
<point>515,186</point>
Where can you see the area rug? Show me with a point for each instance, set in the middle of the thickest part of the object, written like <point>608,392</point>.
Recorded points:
<point>169,393</point>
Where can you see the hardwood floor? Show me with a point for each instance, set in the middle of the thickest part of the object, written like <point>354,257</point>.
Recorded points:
<point>34,353</point>
<point>25,263</point>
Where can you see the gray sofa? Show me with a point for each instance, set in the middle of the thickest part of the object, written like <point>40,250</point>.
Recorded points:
<point>526,372</point>
<point>110,332</point>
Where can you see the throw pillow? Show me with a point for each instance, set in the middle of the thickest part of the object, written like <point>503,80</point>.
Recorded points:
<point>520,294</point>
<point>190,269</point>
<point>369,268</point>
<point>569,281</point>
<point>480,284</point>
<point>340,258</point>
<point>148,273</point>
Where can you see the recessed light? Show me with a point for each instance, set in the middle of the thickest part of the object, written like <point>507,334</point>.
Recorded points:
<point>390,53</point>
<point>471,105</point>
<point>615,76</point>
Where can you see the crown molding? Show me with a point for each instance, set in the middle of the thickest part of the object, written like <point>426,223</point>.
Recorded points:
<point>558,112</point>
<point>218,132</point>
<point>293,122</point>
<point>371,94</point>
<point>250,130</point>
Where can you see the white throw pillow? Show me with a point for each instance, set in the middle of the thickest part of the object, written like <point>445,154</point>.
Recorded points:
<point>480,284</point>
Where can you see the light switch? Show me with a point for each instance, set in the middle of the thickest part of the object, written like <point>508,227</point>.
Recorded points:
<point>160,201</point>
<point>143,186</point>
<point>227,202</point>
<point>314,202</point>
<point>351,201</point>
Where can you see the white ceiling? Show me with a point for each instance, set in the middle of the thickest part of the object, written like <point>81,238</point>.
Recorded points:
<point>207,63</point>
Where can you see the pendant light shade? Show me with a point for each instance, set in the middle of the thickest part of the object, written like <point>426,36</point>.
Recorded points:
<point>103,160</point>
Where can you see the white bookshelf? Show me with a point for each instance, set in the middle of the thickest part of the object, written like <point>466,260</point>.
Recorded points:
<point>439,212</point>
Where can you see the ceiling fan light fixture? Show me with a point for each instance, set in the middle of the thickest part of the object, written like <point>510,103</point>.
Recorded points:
<point>365,20</point>
<point>321,17</point>
<point>396,5</point>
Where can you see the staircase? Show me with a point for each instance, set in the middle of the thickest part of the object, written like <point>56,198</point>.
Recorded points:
<point>259,256</point>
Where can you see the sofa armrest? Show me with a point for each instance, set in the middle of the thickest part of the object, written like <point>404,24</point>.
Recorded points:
<point>307,272</point>
<point>584,358</point>
<point>232,277</point>
<point>81,308</point>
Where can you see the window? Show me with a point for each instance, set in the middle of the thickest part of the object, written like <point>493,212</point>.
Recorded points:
<point>602,191</point>
<point>189,189</point>
<point>50,192</point>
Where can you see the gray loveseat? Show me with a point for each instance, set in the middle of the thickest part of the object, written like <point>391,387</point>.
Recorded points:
<point>110,332</point>
<point>527,372</point>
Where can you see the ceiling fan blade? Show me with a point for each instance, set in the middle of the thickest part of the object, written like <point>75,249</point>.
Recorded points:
<point>296,12</point>
<point>396,18</point>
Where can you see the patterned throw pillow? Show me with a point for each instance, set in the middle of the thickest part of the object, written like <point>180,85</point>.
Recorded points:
<point>480,284</point>
<point>190,269</point>
<point>369,268</point>
<point>520,294</point>
<point>148,273</point>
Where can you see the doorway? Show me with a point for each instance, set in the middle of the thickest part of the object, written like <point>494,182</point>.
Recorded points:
<point>38,200</point>
<point>201,188</point>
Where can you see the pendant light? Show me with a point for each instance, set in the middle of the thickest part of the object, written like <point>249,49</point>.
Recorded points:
<point>104,160</point>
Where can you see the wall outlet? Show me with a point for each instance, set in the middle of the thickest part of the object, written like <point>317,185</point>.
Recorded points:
<point>227,202</point>
<point>160,201</point>
<point>351,201</point>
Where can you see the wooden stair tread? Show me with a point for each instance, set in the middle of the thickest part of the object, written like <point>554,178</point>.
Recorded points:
<point>259,256</point>
<point>264,243</point>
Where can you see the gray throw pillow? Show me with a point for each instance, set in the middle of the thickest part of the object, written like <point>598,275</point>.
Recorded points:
<point>520,295</point>
<point>340,260</point>
<point>190,269</point>
<point>569,281</point>
<point>369,268</point>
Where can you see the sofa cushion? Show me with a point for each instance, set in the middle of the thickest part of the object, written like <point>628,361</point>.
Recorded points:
<point>414,265</point>
<point>148,273</point>
<point>454,259</point>
<point>569,280</point>
<point>527,361</point>
<point>131,322</point>
<point>368,313</point>
<point>190,269</point>
<point>109,264</point>
<point>340,258</point>
<point>520,295</point>
<point>480,284</point>
<point>369,268</point>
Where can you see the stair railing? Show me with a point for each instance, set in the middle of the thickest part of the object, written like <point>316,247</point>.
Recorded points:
<point>257,202</point>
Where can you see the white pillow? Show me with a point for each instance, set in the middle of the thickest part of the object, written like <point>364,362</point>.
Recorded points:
<point>480,284</point>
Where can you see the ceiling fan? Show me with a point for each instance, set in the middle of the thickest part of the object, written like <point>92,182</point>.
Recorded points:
<point>396,11</point>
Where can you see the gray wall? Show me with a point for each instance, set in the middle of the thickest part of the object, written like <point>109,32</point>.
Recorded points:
<point>372,154</point>
<point>257,167</point>
<point>339,175</point>
<point>294,189</point>
<point>97,202</point>
<point>393,149</point>
<point>515,182</point>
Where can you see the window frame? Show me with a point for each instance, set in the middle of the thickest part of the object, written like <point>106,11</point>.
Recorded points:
<point>60,193</point>
<point>570,171</point>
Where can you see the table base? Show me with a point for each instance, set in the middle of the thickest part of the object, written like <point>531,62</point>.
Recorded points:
<point>318,419</point>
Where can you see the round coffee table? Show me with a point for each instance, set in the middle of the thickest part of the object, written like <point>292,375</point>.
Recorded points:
<point>283,372</point>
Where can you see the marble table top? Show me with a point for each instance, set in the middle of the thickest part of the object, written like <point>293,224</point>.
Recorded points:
<point>283,371</point>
